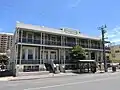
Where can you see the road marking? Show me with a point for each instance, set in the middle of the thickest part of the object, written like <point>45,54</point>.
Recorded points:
<point>67,84</point>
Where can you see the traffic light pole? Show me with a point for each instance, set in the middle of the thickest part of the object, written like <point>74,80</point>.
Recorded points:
<point>102,28</point>
<point>103,45</point>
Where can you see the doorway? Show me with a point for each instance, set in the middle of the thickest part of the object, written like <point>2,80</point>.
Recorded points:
<point>49,55</point>
<point>93,55</point>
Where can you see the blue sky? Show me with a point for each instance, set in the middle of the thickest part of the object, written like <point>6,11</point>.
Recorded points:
<point>85,15</point>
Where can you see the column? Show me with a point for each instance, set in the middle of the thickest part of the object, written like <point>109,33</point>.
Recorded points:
<point>101,56</point>
<point>76,41</point>
<point>96,56</point>
<point>33,53</point>
<point>43,47</point>
<point>89,43</point>
<point>61,50</point>
<point>21,47</point>
<point>59,55</point>
<point>26,54</point>
<point>79,41</point>
<point>40,48</point>
<point>16,45</point>
<point>15,54</point>
<point>61,40</point>
<point>89,55</point>
<point>43,38</point>
<point>40,53</point>
<point>64,57</point>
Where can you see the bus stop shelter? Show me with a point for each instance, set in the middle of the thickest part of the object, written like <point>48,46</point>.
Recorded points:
<point>86,66</point>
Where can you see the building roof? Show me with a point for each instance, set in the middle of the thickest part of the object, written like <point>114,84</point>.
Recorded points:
<point>51,30</point>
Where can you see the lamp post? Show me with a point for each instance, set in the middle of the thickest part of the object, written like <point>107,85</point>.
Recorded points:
<point>103,31</point>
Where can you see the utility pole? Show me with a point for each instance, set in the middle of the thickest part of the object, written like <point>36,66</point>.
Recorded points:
<point>103,31</point>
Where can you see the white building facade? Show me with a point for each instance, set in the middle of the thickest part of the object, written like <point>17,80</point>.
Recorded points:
<point>34,45</point>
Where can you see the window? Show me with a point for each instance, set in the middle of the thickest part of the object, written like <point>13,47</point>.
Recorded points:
<point>53,55</point>
<point>30,54</point>
<point>107,57</point>
<point>117,51</point>
<point>29,38</point>
<point>36,36</point>
<point>35,68</point>
<point>27,68</point>
<point>29,35</point>
<point>24,34</point>
<point>23,54</point>
<point>31,68</point>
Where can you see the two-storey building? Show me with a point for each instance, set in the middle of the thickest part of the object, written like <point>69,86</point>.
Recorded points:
<point>34,45</point>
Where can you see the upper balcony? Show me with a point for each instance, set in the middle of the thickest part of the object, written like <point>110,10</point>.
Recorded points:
<point>46,42</point>
<point>57,43</point>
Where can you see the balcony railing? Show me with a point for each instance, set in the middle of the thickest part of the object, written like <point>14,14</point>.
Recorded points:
<point>32,41</point>
<point>47,42</point>
<point>96,47</point>
<point>50,42</point>
<point>57,43</point>
<point>71,44</point>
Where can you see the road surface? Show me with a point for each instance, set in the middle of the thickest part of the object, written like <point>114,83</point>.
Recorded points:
<point>107,81</point>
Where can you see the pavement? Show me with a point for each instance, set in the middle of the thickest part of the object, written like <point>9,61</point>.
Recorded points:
<point>31,77</point>
<point>98,81</point>
<point>51,75</point>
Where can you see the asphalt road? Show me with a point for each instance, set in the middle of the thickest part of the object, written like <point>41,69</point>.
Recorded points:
<point>107,81</point>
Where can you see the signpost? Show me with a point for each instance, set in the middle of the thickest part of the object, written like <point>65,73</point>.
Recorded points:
<point>70,31</point>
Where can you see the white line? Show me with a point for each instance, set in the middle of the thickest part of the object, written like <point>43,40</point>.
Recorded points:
<point>67,84</point>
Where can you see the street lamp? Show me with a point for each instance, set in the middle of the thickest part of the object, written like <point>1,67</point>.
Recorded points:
<point>103,31</point>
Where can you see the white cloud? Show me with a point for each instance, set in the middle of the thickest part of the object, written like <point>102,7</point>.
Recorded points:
<point>114,35</point>
<point>75,4</point>
<point>116,40</point>
<point>111,36</point>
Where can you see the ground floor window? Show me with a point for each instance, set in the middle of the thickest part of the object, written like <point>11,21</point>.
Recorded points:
<point>31,68</point>
<point>30,54</point>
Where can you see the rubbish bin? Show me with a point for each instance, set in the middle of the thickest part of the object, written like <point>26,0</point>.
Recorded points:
<point>114,68</point>
<point>62,68</point>
<point>57,68</point>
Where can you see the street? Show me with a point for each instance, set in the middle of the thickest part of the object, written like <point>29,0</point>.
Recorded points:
<point>104,81</point>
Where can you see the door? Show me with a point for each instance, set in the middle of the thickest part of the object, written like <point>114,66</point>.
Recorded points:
<point>30,36</point>
<point>53,56</point>
<point>49,55</point>
<point>45,57</point>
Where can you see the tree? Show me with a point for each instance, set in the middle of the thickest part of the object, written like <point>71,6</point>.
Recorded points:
<point>4,59</point>
<point>77,53</point>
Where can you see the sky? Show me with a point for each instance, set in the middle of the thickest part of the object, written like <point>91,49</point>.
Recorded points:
<point>84,15</point>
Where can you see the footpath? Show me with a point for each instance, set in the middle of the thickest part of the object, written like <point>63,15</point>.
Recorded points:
<point>50,75</point>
